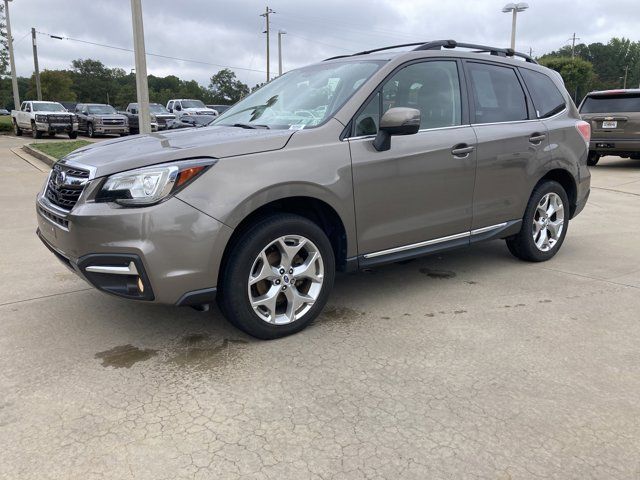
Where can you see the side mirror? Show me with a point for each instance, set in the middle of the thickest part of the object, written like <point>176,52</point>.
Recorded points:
<point>396,121</point>
<point>134,111</point>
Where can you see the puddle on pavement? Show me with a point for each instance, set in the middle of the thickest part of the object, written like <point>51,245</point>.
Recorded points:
<point>439,274</point>
<point>197,351</point>
<point>124,356</point>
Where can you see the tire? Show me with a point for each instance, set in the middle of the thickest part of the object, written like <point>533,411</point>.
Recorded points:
<point>16,129</point>
<point>593,159</point>
<point>124,134</point>
<point>73,135</point>
<point>34,132</point>
<point>52,135</point>
<point>246,277</point>
<point>90,131</point>
<point>532,248</point>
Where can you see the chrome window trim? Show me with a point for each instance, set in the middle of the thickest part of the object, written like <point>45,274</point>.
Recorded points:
<point>522,121</point>
<point>435,241</point>
<point>451,127</point>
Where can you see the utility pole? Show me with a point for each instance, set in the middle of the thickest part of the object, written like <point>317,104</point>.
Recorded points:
<point>266,14</point>
<point>35,63</point>
<point>626,72</point>
<point>280,33</point>
<point>573,45</point>
<point>142,85</point>
<point>14,77</point>
<point>531,52</point>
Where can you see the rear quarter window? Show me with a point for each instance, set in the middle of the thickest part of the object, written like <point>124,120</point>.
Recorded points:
<point>611,103</point>
<point>546,97</point>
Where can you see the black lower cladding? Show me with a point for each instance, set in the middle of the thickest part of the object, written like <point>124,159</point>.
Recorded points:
<point>197,297</point>
<point>117,284</point>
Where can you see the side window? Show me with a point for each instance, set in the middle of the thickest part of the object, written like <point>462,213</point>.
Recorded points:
<point>545,95</point>
<point>27,107</point>
<point>431,87</point>
<point>497,94</point>
<point>170,105</point>
<point>367,121</point>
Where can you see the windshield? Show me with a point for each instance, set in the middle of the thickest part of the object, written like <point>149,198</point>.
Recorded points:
<point>611,103</point>
<point>302,98</point>
<point>101,109</point>
<point>48,107</point>
<point>157,108</point>
<point>192,104</point>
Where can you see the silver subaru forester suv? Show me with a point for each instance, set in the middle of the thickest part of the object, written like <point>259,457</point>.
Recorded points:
<point>355,161</point>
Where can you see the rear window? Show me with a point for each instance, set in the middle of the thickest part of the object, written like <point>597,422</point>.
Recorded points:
<point>546,97</point>
<point>611,103</point>
<point>497,94</point>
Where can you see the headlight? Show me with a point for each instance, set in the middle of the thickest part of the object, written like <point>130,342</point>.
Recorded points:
<point>41,118</point>
<point>97,120</point>
<point>150,185</point>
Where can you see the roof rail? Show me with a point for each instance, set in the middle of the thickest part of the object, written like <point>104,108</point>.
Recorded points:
<point>439,44</point>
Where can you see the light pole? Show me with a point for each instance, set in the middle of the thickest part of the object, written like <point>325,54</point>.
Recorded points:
<point>142,85</point>
<point>14,77</point>
<point>35,64</point>
<point>280,33</point>
<point>514,8</point>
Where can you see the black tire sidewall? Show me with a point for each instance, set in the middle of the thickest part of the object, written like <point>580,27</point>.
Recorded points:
<point>526,232</point>
<point>90,131</point>
<point>233,295</point>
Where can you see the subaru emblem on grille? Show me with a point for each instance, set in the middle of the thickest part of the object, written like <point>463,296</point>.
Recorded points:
<point>59,177</point>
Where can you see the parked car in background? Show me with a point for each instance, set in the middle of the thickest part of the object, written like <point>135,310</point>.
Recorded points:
<point>219,108</point>
<point>160,116</point>
<point>614,116</point>
<point>4,112</point>
<point>44,117</point>
<point>186,106</point>
<point>100,119</point>
<point>188,121</point>
<point>348,163</point>
<point>133,116</point>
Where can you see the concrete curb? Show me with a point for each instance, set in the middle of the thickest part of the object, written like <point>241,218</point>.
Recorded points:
<point>49,160</point>
<point>31,160</point>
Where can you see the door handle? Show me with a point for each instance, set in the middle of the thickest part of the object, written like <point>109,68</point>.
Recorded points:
<point>461,150</point>
<point>536,138</point>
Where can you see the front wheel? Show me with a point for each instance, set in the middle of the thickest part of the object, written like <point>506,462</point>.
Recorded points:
<point>277,277</point>
<point>544,225</point>
<point>34,132</point>
<point>73,135</point>
<point>90,130</point>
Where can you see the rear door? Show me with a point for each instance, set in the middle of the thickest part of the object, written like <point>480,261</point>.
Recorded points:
<point>419,190</point>
<point>613,115</point>
<point>511,143</point>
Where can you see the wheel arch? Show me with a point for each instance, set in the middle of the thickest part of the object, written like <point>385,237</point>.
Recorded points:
<point>318,210</point>
<point>567,180</point>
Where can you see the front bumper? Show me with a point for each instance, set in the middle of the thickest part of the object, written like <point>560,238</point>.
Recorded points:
<point>56,127</point>
<point>107,129</point>
<point>167,253</point>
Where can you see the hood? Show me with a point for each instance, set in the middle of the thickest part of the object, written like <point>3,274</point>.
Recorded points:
<point>137,151</point>
<point>199,110</point>
<point>49,112</point>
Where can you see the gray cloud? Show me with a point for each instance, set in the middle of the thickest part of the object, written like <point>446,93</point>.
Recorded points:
<point>227,32</point>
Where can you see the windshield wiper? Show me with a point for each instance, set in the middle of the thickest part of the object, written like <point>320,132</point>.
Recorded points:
<point>252,126</point>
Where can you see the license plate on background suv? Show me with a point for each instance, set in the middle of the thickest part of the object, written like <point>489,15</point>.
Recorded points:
<point>609,124</point>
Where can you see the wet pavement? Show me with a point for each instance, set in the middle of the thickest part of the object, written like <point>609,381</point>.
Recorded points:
<point>469,364</point>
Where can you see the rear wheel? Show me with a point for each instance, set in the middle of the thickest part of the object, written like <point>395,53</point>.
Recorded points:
<point>544,225</point>
<point>16,129</point>
<point>593,159</point>
<point>277,277</point>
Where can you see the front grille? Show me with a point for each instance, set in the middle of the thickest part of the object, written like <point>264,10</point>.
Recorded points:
<point>66,185</point>
<point>59,118</point>
<point>112,121</point>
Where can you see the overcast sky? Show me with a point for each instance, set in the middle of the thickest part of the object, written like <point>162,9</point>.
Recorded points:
<point>229,33</point>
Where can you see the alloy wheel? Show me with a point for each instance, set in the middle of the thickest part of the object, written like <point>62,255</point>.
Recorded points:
<point>286,279</point>
<point>548,222</point>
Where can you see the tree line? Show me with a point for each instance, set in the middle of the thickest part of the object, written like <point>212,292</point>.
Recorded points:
<point>90,81</point>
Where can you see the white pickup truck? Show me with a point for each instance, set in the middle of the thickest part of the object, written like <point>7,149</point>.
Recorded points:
<point>44,117</point>
<point>188,106</point>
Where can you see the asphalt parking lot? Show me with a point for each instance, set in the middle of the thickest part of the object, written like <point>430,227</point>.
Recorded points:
<point>469,364</point>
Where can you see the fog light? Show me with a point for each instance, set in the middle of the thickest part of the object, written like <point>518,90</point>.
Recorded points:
<point>140,285</point>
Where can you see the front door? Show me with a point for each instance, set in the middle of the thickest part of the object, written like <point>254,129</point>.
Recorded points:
<point>422,188</point>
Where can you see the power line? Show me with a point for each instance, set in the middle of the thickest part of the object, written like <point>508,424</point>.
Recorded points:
<point>114,47</point>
